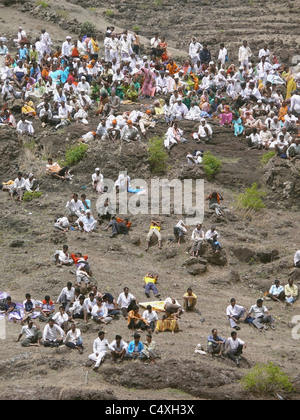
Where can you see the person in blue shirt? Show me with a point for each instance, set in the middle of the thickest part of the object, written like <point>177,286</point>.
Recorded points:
<point>276,292</point>
<point>215,343</point>
<point>86,203</point>
<point>23,52</point>
<point>135,347</point>
<point>3,48</point>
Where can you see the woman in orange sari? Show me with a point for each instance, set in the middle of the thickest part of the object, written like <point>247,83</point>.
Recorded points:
<point>283,111</point>
<point>172,67</point>
<point>163,46</point>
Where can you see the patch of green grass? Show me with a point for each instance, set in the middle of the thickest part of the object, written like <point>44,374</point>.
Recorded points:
<point>265,159</point>
<point>211,164</point>
<point>75,154</point>
<point>135,28</point>
<point>110,13</point>
<point>267,379</point>
<point>42,3</point>
<point>251,199</point>
<point>62,13</point>
<point>28,196</point>
<point>157,156</point>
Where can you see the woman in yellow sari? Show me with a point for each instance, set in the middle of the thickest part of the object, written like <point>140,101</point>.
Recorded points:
<point>167,323</point>
<point>291,85</point>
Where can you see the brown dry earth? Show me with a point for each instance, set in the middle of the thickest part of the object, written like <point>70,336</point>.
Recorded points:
<point>258,249</point>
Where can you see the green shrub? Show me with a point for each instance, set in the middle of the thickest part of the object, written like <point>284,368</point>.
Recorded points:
<point>265,159</point>
<point>251,199</point>
<point>87,28</point>
<point>135,28</point>
<point>110,13</point>
<point>42,3</point>
<point>267,379</point>
<point>157,155</point>
<point>211,165</point>
<point>28,196</point>
<point>75,154</point>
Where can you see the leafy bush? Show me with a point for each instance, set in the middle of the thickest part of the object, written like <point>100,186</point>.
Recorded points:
<point>42,3</point>
<point>110,13</point>
<point>267,379</point>
<point>75,154</point>
<point>87,28</point>
<point>157,155</point>
<point>265,159</point>
<point>28,196</point>
<point>251,199</point>
<point>135,28</point>
<point>211,165</point>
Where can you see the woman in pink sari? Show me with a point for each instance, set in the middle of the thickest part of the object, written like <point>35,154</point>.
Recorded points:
<point>225,118</point>
<point>148,88</point>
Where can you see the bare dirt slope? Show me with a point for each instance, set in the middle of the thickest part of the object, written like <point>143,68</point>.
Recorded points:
<point>258,249</point>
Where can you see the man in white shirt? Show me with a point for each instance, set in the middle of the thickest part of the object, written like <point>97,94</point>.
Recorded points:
<point>234,348</point>
<point>234,314</point>
<point>194,113</point>
<point>32,333</point>
<point>194,50</point>
<point>73,339</point>
<point>84,85</point>
<point>295,103</point>
<point>118,348</point>
<point>74,207</point>
<point>66,296</point>
<point>100,348</point>
<point>126,301</point>
<point>198,237</point>
<point>212,237</point>
<point>222,54</point>
<point>25,127</point>
<point>150,316</point>
<point>297,259</point>
<point>244,54</point>
<point>18,187</point>
<point>204,132</point>
<point>259,315</point>
<point>62,257</point>
<point>254,140</point>
<point>53,335</point>
<point>66,47</point>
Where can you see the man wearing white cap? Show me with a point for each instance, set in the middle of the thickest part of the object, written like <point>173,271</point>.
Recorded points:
<point>87,223</point>
<point>66,47</point>
<point>83,85</point>
<point>97,181</point>
<point>204,132</point>
<point>179,110</point>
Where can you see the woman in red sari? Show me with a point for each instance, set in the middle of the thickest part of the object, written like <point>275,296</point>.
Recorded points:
<point>163,46</point>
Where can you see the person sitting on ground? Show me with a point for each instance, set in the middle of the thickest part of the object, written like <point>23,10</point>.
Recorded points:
<point>126,301</point>
<point>234,348</point>
<point>100,312</point>
<point>73,339</point>
<point>155,229</point>
<point>291,292</point>
<point>136,321</point>
<point>53,335</point>
<point>174,135</point>
<point>89,303</point>
<point>297,259</point>
<point>31,184</point>
<point>62,223</point>
<point>235,314</point>
<point>258,315</point>
<point>130,133</point>
<point>151,317</point>
<point>117,228</point>
<point>32,333</point>
<point>180,230</point>
<point>215,203</point>
<point>198,237</point>
<point>97,181</point>
<point>86,222</point>
<point>77,309</point>
<point>190,300</point>
<point>61,319</point>
<point>293,152</point>
<point>47,309</point>
<point>204,132</point>
<point>29,307</point>
<point>62,257</point>
<point>148,352</point>
<point>150,284</point>
<point>169,322</point>
<point>173,306</point>
<point>111,304</point>
<point>100,349</point>
<point>66,296</point>
<point>212,237</point>
<point>135,347</point>
<point>74,207</point>
<point>119,348</point>
<point>215,344</point>
<point>56,171</point>
<point>18,188</point>
<point>276,292</point>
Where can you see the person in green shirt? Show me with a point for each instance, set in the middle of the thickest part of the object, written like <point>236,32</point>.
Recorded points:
<point>33,54</point>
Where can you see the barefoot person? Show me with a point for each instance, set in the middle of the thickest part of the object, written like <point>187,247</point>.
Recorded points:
<point>32,333</point>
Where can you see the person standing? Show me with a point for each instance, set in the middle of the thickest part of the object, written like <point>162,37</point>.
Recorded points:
<point>244,54</point>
